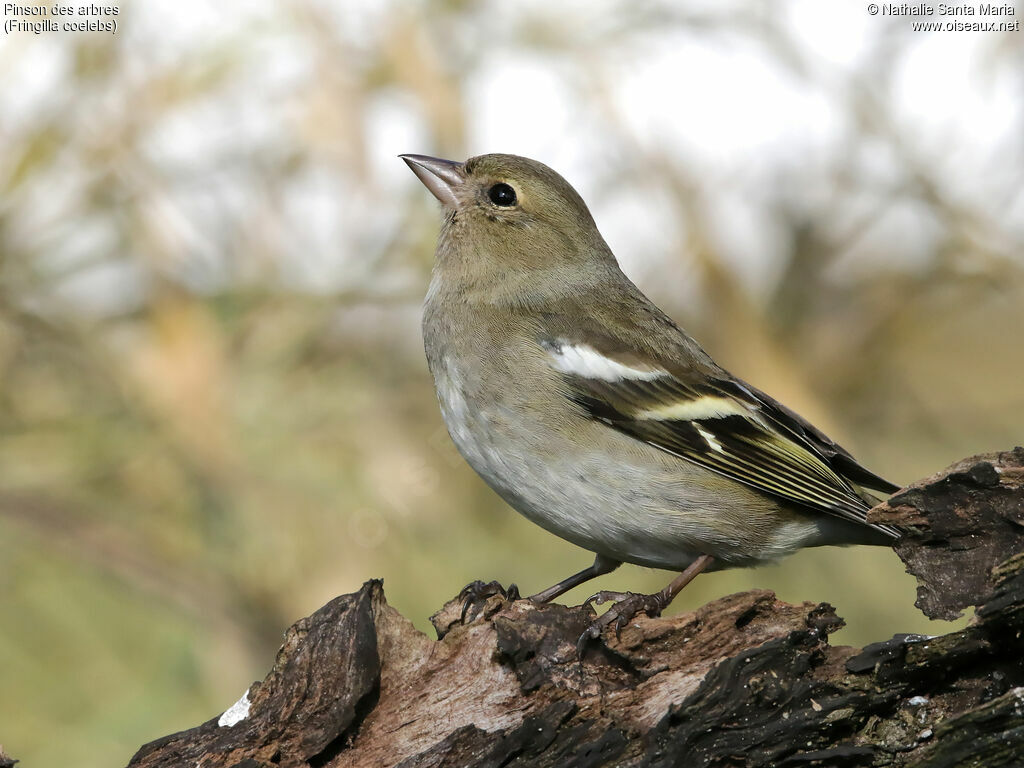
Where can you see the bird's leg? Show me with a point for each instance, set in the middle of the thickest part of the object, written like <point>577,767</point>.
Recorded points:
<point>601,566</point>
<point>477,592</point>
<point>629,604</point>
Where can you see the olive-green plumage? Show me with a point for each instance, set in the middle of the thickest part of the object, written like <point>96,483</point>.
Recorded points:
<point>595,415</point>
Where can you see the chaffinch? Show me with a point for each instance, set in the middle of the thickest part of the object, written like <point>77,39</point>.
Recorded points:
<point>593,414</point>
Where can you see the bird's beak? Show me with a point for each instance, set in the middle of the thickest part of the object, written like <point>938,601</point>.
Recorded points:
<point>441,177</point>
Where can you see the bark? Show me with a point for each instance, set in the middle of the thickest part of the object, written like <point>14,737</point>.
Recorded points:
<point>744,681</point>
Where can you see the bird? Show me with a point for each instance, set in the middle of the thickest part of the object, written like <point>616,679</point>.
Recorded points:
<point>593,414</point>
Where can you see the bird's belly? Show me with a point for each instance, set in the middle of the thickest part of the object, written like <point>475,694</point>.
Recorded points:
<point>611,494</point>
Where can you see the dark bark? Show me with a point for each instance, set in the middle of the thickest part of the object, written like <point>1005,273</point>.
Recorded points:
<point>968,519</point>
<point>743,681</point>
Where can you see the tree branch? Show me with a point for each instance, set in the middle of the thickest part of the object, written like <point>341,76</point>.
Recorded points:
<point>744,681</point>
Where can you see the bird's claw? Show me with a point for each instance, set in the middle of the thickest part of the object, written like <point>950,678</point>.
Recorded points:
<point>627,606</point>
<point>593,632</point>
<point>473,595</point>
<point>606,596</point>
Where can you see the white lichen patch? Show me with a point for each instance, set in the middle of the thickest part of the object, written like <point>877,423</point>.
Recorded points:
<point>236,713</point>
<point>1018,705</point>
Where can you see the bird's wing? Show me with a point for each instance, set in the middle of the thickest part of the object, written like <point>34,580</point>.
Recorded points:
<point>716,421</point>
<point>805,433</point>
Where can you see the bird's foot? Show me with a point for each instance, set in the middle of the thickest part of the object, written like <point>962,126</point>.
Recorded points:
<point>477,593</point>
<point>627,606</point>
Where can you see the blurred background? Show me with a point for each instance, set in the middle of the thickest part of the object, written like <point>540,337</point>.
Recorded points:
<point>215,413</point>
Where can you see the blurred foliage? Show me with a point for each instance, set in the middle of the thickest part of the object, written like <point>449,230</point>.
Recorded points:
<point>215,415</point>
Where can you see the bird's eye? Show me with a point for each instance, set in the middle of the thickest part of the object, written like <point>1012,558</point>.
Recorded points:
<point>503,195</point>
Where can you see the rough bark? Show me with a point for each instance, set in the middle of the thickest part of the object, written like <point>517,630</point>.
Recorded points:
<point>967,519</point>
<point>743,681</point>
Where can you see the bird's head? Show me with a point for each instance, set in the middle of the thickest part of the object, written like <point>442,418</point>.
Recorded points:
<point>509,219</point>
